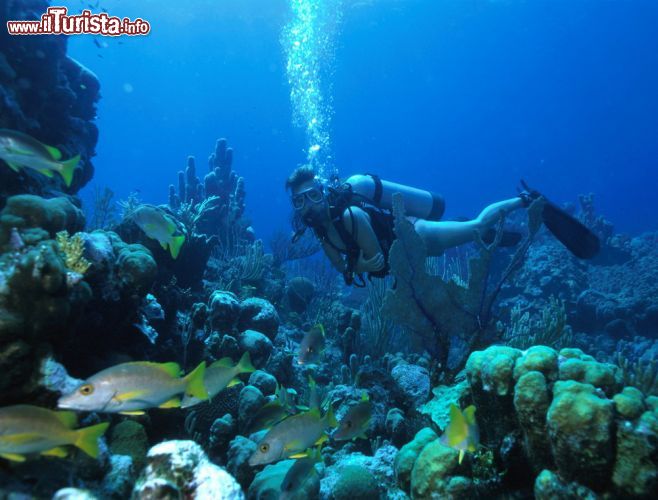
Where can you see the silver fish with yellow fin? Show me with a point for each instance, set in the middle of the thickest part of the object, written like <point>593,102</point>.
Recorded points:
<point>130,388</point>
<point>273,412</point>
<point>220,375</point>
<point>159,226</point>
<point>20,150</point>
<point>291,437</point>
<point>462,433</point>
<point>27,430</point>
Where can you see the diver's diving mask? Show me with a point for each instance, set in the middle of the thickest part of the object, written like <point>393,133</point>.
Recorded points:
<point>314,195</point>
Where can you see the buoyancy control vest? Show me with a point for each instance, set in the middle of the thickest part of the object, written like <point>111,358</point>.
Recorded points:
<point>374,196</point>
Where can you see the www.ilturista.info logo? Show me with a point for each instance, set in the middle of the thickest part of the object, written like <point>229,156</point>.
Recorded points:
<point>56,21</point>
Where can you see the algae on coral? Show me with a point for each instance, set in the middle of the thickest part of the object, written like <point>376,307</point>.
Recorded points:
<point>72,249</point>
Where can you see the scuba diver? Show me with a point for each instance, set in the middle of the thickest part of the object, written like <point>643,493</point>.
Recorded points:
<point>354,222</point>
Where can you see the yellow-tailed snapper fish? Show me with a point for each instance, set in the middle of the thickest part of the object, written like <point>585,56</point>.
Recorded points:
<point>159,226</point>
<point>130,388</point>
<point>356,421</point>
<point>20,150</point>
<point>291,437</point>
<point>27,430</point>
<point>220,375</point>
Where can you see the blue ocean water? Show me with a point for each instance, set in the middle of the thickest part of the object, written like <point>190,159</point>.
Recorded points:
<point>460,97</point>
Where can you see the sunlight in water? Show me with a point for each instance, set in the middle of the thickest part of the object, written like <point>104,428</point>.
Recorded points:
<point>308,40</point>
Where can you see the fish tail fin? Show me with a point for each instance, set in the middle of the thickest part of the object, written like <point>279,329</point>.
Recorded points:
<point>175,245</point>
<point>245,365</point>
<point>461,456</point>
<point>454,432</point>
<point>330,418</point>
<point>87,438</point>
<point>14,166</point>
<point>194,385</point>
<point>469,415</point>
<point>68,167</point>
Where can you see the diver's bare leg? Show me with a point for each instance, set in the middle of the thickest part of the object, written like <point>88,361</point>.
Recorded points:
<point>439,236</point>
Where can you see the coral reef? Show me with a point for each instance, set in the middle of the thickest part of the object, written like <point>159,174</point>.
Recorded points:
<point>129,438</point>
<point>37,218</point>
<point>616,298</point>
<point>181,468</point>
<point>214,207</point>
<point>267,483</point>
<point>54,284</point>
<point>356,475</point>
<point>563,414</point>
<point>48,95</point>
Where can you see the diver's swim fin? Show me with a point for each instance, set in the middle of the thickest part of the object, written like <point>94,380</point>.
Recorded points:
<point>568,230</point>
<point>572,233</point>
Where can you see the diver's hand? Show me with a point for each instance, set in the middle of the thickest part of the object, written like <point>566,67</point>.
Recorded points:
<point>371,265</point>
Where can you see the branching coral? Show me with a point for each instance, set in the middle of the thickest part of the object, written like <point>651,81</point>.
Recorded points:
<point>252,265</point>
<point>215,206</point>
<point>602,227</point>
<point>72,249</point>
<point>234,267</point>
<point>103,214</point>
<point>550,329</point>
<point>378,329</point>
<point>284,250</point>
<point>640,374</point>
<point>129,205</point>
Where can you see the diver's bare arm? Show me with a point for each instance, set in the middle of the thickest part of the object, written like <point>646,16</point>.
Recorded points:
<point>364,235</point>
<point>439,236</point>
<point>371,257</point>
<point>335,257</point>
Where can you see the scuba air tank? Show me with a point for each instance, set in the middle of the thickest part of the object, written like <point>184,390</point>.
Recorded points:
<point>417,202</point>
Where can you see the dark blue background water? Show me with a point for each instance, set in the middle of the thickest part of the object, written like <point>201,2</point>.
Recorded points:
<point>461,97</point>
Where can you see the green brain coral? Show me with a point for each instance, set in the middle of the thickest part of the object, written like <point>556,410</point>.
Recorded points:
<point>492,369</point>
<point>580,424</point>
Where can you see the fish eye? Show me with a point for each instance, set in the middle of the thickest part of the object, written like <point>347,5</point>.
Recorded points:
<point>349,424</point>
<point>86,389</point>
<point>264,447</point>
